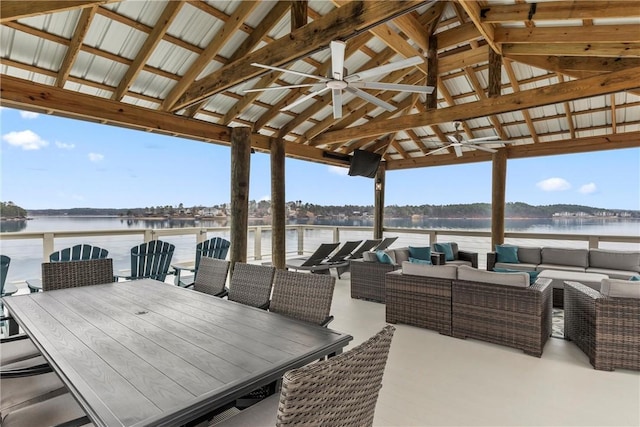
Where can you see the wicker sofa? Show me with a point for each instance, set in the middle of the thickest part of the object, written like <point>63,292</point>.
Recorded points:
<point>605,326</point>
<point>501,308</point>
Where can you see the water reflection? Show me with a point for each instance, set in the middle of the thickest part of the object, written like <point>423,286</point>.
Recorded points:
<point>10,226</point>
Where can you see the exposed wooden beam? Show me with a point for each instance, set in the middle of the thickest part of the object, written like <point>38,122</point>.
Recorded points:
<point>555,10</point>
<point>299,14</point>
<point>456,61</point>
<point>236,19</point>
<point>472,7</point>
<point>479,90</point>
<point>463,33</point>
<point>416,32</point>
<point>513,79</point>
<point>344,22</point>
<point>74,45</point>
<point>565,34</point>
<point>581,145</point>
<point>153,39</point>
<point>614,50</point>
<point>10,10</point>
<point>576,89</point>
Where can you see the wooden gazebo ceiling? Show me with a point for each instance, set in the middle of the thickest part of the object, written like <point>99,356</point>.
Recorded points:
<point>552,77</point>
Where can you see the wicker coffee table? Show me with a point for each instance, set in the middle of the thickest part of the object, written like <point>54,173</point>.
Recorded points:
<point>558,277</point>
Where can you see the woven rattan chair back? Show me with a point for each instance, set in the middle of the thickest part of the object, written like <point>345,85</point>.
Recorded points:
<point>79,252</point>
<point>73,274</point>
<point>251,284</point>
<point>216,247</point>
<point>151,260</point>
<point>341,391</point>
<point>4,270</point>
<point>302,296</point>
<point>211,277</point>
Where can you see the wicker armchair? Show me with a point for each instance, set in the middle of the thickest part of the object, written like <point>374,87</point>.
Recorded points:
<point>211,277</point>
<point>251,284</point>
<point>518,317</point>
<point>73,274</point>
<point>419,301</point>
<point>341,391</point>
<point>303,296</point>
<point>606,329</point>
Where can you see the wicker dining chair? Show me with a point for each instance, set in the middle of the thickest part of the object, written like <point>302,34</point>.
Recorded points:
<point>251,284</point>
<point>340,391</point>
<point>211,277</point>
<point>73,274</point>
<point>303,296</point>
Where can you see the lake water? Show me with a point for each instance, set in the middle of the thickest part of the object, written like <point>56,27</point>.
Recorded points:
<point>26,255</point>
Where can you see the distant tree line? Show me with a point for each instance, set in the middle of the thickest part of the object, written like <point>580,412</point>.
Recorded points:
<point>11,210</point>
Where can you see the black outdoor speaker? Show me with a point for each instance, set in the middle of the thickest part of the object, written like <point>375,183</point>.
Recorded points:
<point>364,163</point>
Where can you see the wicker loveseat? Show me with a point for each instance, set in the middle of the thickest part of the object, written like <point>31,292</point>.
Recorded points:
<point>605,326</point>
<point>420,295</point>
<point>502,308</point>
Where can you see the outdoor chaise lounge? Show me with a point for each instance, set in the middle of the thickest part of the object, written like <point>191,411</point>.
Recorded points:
<point>313,262</point>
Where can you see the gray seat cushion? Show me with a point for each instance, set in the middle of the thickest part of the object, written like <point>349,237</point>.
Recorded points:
<point>12,351</point>
<point>529,255</point>
<point>620,288</point>
<point>560,267</point>
<point>614,260</point>
<point>613,274</point>
<point>566,257</point>
<point>521,266</point>
<point>458,262</point>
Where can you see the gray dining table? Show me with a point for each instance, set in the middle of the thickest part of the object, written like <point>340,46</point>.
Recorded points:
<point>146,353</point>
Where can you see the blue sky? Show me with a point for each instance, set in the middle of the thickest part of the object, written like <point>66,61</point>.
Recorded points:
<point>52,162</point>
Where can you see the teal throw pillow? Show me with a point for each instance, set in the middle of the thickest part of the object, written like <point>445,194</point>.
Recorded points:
<point>635,278</point>
<point>384,257</point>
<point>419,261</point>
<point>423,253</point>
<point>507,254</point>
<point>533,275</point>
<point>446,249</point>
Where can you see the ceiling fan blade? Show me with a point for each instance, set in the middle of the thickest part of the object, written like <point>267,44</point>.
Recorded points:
<point>337,59</point>
<point>372,99</point>
<point>337,103</point>
<point>457,149</point>
<point>480,147</point>
<point>437,150</point>
<point>452,139</point>
<point>484,139</point>
<point>393,86</point>
<point>304,98</point>
<point>284,70</point>
<point>277,87</point>
<point>384,69</point>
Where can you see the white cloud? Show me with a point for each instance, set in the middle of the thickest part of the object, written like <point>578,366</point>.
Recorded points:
<point>65,146</point>
<point>338,170</point>
<point>553,184</point>
<point>25,139</point>
<point>96,157</point>
<point>589,188</point>
<point>28,115</point>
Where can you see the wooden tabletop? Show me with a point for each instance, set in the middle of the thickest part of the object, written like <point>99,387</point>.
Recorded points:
<point>145,353</point>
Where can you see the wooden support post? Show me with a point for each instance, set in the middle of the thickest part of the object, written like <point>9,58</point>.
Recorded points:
<point>378,210</point>
<point>432,73</point>
<point>499,180</point>
<point>495,74</point>
<point>240,167</point>
<point>278,208</point>
<point>299,16</point>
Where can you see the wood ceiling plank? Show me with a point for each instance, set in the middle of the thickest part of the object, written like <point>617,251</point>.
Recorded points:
<point>397,43</point>
<point>473,10</point>
<point>555,10</point>
<point>234,22</point>
<point>163,23</point>
<point>343,22</point>
<point>10,10</point>
<point>612,50</point>
<point>416,32</point>
<point>513,79</point>
<point>564,34</point>
<point>458,35</point>
<point>74,45</point>
<point>456,61</point>
<point>577,89</point>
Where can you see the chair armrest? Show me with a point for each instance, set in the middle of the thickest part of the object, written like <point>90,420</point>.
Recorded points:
<point>472,257</point>
<point>223,293</point>
<point>492,257</point>
<point>437,258</point>
<point>326,321</point>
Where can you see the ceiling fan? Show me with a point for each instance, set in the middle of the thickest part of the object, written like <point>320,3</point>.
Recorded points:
<point>457,143</point>
<point>353,83</point>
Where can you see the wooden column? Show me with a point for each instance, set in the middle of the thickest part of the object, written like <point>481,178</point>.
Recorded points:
<point>240,167</point>
<point>378,209</point>
<point>299,14</point>
<point>499,180</point>
<point>495,74</point>
<point>432,73</point>
<point>278,213</point>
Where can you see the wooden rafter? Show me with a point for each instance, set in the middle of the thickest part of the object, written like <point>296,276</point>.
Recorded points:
<point>613,50</point>
<point>153,39</point>
<point>576,89</point>
<point>513,79</point>
<point>555,10</point>
<point>479,90</point>
<point>563,35</point>
<point>472,7</point>
<point>74,45</point>
<point>303,41</point>
<point>11,10</point>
